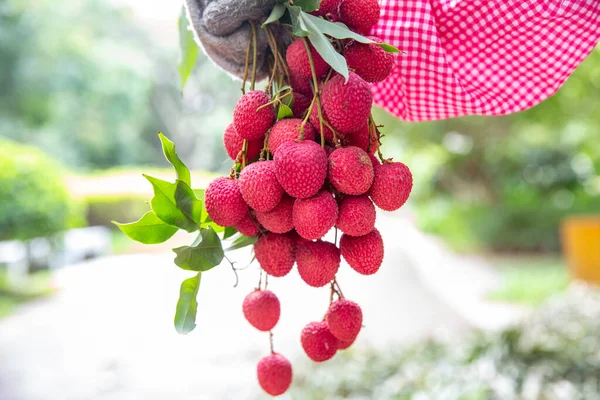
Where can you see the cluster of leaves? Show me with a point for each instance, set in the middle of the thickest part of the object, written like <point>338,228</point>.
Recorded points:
<point>176,206</point>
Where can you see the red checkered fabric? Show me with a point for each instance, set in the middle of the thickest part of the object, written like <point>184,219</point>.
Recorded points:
<point>481,57</point>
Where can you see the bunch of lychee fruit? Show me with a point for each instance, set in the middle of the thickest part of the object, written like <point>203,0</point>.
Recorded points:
<point>296,179</point>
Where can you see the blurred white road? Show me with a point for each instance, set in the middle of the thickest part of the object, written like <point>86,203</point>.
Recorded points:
<point>108,334</point>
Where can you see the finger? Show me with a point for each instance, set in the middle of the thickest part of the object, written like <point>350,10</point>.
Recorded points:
<point>223,17</point>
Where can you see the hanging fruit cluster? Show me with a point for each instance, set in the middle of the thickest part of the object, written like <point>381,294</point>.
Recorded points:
<point>307,160</point>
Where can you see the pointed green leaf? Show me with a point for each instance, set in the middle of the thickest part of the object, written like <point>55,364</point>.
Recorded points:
<point>176,204</point>
<point>276,13</point>
<point>389,48</point>
<point>189,49</point>
<point>229,232</point>
<point>308,5</point>
<point>205,254</point>
<point>148,230</point>
<point>284,112</point>
<point>298,26</point>
<point>183,173</point>
<point>322,44</point>
<point>243,241</point>
<point>187,305</point>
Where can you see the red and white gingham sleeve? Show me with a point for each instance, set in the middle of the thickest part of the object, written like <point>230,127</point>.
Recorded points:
<point>481,57</point>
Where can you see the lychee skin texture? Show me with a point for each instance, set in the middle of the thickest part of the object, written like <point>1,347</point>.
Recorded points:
<point>360,15</point>
<point>262,309</point>
<point>351,171</point>
<point>347,105</point>
<point>392,186</point>
<point>298,61</point>
<point>327,7</point>
<point>318,342</point>
<point>247,226</point>
<point>344,345</point>
<point>224,202</point>
<point>318,262</point>
<point>276,253</point>
<point>279,219</point>
<point>301,168</point>
<point>274,374</point>
<point>370,61</point>
<point>301,84</point>
<point>301,104</point>
<point>250,122</point>
<point>356,215</point>
<point>234,143</point>
<point>288,130</point>
<point>364,254</point>
<point>344,319</point>
<point>315,216</point>
<point>259,186</point>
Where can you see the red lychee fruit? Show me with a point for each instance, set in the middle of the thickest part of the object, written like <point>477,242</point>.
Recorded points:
<point>288,130</point>
<point>327,7</point>
<point>344,345</point>
<point>298,61</point>
<point>356,215</point>
<point>365,253</point>
<point>252,117</point>
<point>314,120</point>
<point>247,226</point>
<point>262,309</point>
<point>301,84</point>
<point>234,143</point>
<point>392,185</point>
<point>347,105</point>
<point>276,253</point>
<point>318,262</point>
<point>350,170</point>
<point>359,15</point>
<point>274,374</point>
<point>301,104</point>
<point>224,202</point>
<point>370,61</point>
<point>318,342</point>
<point>375,163</point>
<point>315,216</point>
<point>301,168</point>
<point>344,319</point>
<point>279,219</point>
<point>259,186</point>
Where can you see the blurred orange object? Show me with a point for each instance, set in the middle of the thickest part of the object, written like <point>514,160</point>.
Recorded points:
<point>581,246</point>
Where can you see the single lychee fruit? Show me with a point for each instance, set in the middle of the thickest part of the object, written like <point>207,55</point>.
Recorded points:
<point>356,215</point>
<point>276,253</point>
<point>315,121</point>
<point>375,163</point>
<point>315,216</point>
<point>298,62</point>
<point>362,139</point>
<point>370,61</point>
<point>253,115</point>
<point>327,7</point>
<point>234,143</point>
<point>350,170</point>
<point>359,15</point>
<point>260,187</point>
<point>301,168</point>
<point>392,185</point>
<point>347,105</point>
<point>288,130</point>
<point>318,342</point>
<point>274,374</point>
<point>318,262</point>
<point>279,219</point>
<point>365,253</point>
<point>344,319</point>
<point>247,226</point>
<point>224,202</point>
<point>301,104</point>
<point>262,309</point>
<point>301,84</point>
<point>344,345</point>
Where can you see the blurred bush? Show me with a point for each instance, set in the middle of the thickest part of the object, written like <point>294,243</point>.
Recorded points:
<point>555,355</point>
<point>101,210</point>
<point>34,200</point>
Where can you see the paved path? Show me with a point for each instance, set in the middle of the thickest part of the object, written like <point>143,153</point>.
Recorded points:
<point>108,334</point>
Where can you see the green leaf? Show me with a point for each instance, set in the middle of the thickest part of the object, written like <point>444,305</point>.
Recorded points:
<point>189,49</point>
<point>308,5</point>
<point>276,13</point>
<point>187,305</point>
<point>389,48</point>
<point>298,26</point>
<point>205,254</point>
<point>229,232</point>
<point>176,204</point>
<point>284,112</point>
<point>183,173</point>
<point>148,230</point>
<point>243,241</point>
<point>322,44</point>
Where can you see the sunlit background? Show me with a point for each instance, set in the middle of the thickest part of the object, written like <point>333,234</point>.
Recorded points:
<point>476,298</point>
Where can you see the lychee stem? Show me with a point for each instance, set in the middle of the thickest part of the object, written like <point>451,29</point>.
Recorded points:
<point>282,62</point>
<point>316,90</point>
<point>271,342</point>
<point>254,55</point>
<point>374,138</point>
<point>234,269</point>
<point>244,152</point>
<point>305,121</point>
<point>247,65</point>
